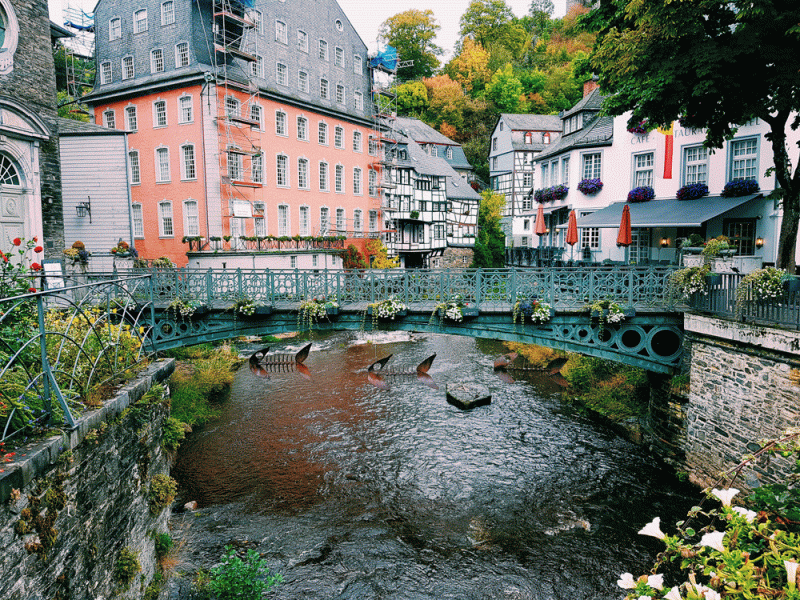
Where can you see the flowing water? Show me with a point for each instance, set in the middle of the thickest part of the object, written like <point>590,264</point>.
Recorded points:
<point>354,492</point>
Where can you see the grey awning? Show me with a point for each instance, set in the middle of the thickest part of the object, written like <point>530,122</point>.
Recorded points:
<point>665,213</point>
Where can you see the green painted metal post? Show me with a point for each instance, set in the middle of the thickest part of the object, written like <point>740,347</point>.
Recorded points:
<point>239,286</point>
<point>209,285</point>
<point>372,286</point>
<point>477,288</point>
<point>631,280</point>
<point>512,286</point>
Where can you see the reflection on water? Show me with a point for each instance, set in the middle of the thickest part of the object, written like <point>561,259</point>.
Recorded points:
<point>358,492</point>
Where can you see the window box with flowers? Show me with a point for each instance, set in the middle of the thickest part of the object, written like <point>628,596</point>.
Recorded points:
<point>762,285</point>
<point>455,310</point>
<point>386,310</point>
<point>739,187</point>
<point>692,191</point>
<point>551,194</point>
<point>590,186</point>
<point>607,311</point>
<point>315,309</point>
<point>123,250</point>
<point>183,309</point>
<point>247,307</point>
<point>638,127</point>
<point>641,194</point>
<point>684,283</point>
<point>535,311</point>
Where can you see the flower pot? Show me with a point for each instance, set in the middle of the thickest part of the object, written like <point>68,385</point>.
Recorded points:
<point>331,311</point>
<point>399,313</point>
<point>201,311</point>
<point>470,312</point>
<point>259,311</point>
<point>713,279</point>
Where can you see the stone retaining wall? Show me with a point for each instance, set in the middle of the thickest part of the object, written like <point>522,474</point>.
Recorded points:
<point>745,384</point>
<point>70,505</point>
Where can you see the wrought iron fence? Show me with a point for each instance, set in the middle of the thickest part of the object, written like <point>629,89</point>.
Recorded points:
<point>721,300</point>
<point>59,346</point>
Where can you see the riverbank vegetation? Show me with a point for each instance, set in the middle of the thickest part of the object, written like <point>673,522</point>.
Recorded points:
<point>616,391</point>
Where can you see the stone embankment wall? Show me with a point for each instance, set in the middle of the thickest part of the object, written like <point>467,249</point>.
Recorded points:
<point>745,385</point>
<point>72,505</point>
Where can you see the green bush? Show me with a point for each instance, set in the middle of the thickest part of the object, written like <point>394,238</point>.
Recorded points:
<point>236,579</point>
<point>190,406</point>
<point>616,391</point>
<point>162,492</point>
<point>164,544</point>
<point>172,434</point>
<point>127,566</point>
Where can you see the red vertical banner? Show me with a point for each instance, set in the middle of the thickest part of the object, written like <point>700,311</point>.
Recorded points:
<point>669,141</point>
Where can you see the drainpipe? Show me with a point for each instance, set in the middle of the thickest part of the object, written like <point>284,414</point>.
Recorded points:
<point>207,78</point>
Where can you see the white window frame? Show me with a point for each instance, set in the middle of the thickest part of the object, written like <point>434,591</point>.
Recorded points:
<point>324,175</point>
<point>302,174</point>
<point>128,68</point>
<point>282,170</point>
<point>373,182</point>
<point>338,181</point>
<point>166,220</point>
<point>302,128</point>
<point>357,181</point>
<point>323,51</point>
<point>324,88</point>
<point>358,100</point>
<point>322,133</point>
<point>340,221</point>
<point>114,29</point>
<point>137,214</point>
<point>260,220</point>
<point>163,172</point>
<point>748,161</point>
<point>235,167</point>
<point>373,221</point>
<point>167,13</point>
<point>593,168</point>
<point>338,57</point>
<point>109,118</point>
<point>358,141</point>
<point>304,220</point>
<point>282,74</point>
<point>695,164</point>
<point>341,97</point>
<point>358,65</point>
<point>157,60</point>
<point>131,118</point>
<point>188,163</point>
<point>358,223</point>
<point>191,217</point>
<point>324,220</point>
<point>281,123</point>
<point>281,32</point>
<point>157,124</point>
<point>139,21</point>
<point>134,167</point>
<point>185,109</point>
<point>257,116</point>
<point>233,107</point>
<point>182,55</point>
<point>338,137</point>
<point>302,41</point>
<point>106,72</point>
<point>302,81</point>
<point>257,66</point>
<point>284,220</point>
<point>257,168</point>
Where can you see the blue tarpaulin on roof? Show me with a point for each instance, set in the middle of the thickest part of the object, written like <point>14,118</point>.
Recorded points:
<point>386,59</point>
<point>89,27</point>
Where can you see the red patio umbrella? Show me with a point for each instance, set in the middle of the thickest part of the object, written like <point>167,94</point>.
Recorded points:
<point>624,237</point>
<point>572,232</point>
<point>541,228</point>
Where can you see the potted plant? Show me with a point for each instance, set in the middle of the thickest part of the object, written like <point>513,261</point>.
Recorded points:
<point>247,307</point>
<point>692,191</point>
<point>684,283</point>
<point>762,284</point>
<point>638,127</point>
<point>455,310</point>
<point>551,194</point>
<point>163,262</point>
<point>608,311</point>
<point>590,186</point>
<point>123,250</point>
<point>641,194</point>
<point>535,311</point>
<point>185,308</point>
<point>387,309</point>
<point>311,311</point>
<point>77,254</point>
<point>740,187</point>
<point>414,214</point>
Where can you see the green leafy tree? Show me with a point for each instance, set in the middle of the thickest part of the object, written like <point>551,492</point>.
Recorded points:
<point>490,243</point>
<point>470,67</point>
<point>710,64</point>
<point>412,33</point>
<point>412,98</point>
<point>486,21</point>
<point>506,91</point>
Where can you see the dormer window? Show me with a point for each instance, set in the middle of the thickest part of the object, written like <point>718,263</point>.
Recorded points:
<point>546,137</point>
<point>528,137</point>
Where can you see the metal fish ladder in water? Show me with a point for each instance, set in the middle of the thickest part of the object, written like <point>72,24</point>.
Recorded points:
<point>508,362</point>
<point>378,374</point>
<point>263,364</point>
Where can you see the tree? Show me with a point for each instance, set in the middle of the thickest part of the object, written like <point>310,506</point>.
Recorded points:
<point>412,33</point>
<point>490,244</point>
<point>447,101</point>
<point>352,258</point>
<point>506,91</point>
<point>379,255</point>
<point>710,64</point>
<point>412,98</point>
<point>486,20</point>
<point>471,67</point>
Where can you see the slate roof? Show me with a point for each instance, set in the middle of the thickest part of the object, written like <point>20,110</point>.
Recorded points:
<point>599,132</point>
<point>591,102</point>
<point>422,133</point>
<point>524,122</point>
<point>73,127</point>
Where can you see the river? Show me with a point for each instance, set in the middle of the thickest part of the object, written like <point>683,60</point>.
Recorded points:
<point>353,492</point>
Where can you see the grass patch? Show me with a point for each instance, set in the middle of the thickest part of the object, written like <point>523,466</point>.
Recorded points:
<point>616,391</point>
<point>536,357</point>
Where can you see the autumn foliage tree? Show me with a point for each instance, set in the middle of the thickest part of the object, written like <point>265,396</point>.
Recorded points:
<point>490,243</point>
<point>412,33</point>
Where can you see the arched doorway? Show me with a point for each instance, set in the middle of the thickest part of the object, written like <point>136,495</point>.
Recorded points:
<point>13,201</point>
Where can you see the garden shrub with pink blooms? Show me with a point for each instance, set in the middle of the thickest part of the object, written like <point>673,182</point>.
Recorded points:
<point>742,547</point>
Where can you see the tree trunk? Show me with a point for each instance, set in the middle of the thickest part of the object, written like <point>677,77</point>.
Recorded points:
<point>787,240</point>
<point>790,182</point>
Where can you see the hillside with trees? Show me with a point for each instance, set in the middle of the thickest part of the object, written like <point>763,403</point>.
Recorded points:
<point>502,64</point>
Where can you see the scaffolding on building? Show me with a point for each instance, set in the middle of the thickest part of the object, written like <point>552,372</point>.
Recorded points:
<point>79,62</point>
<point>240,119</point>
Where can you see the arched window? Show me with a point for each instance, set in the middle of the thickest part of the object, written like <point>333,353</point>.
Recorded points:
<point>528,137</point>
<point>8,172</point>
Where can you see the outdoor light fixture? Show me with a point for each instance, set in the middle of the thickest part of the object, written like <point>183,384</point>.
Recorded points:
<point>759,242</point>
<point>85,208</point>
<point>665,242</point>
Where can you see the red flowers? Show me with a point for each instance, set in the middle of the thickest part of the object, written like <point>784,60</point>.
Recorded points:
<point>36,267</point>
<point>38,249</point>
<point>31,290</point>
<point>17,241</point>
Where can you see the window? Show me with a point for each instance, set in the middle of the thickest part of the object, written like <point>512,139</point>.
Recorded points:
<point>167,13</point>
<point>315,260</point>
<point>258,21</point>
<point>643,170</point>
<point>280,123</point>
<point>257,168</point>
<point>232,106</point>
<point>359,100</point>
<point>133,165</point>
<point>131,122</point>
<point>185,109</point>
<point>357,143</point>
<point>303,225</point>
<point>494,162</point>
<point>373,221</point>
<point>156,60</point>
<point>181,54</point>
<point>162,165</point>
<point>338,137</point>
<point>302,41</point>
<point>528,137</point>
<point>744,159</point>
<point>283,220</point>
<point>639,250</point>
<point>282,74</point>
<point>695,165</point>
<point>591,165</point>
<point>234,160</point>
<point>340,225</point>
<point>546,137</point>
<point>324,220</point>
<point>323,176</point>
<point>257,116</point>
<point>322,133</point>
<point>339,25</point>
<point>260,220</point>
<point>590,236</point>
<point>565,170</point>
<point>302,82</point>
<point>357,181</point>
<point>358,66</point>
<point>373,182</point>
<point>357,225</point>
<point>109,120</point>
<point>339,179</point>
<point>323,50</point>
<point>323,88</point>
<point>302,129</point>
<point>302,173</point>
<point>138,220</point>
<point>742,235</point>
<point>281,171</point>
<point>165,228</point>
<point>292,259</point>
<point>114,29</point>
<point>257,66</point>
<point>373,146</point>
<point>527,180</point>
<point>140,21</point>
<point>494,143</point>
<point>434,151</point>
<point>338,57</point>
<point>127,67</point>
<point>340,93</point>
<point>438,232</point>
<point>105,73</point>
<point>238,227</point>
<point>191,218</point>
<point>280,32</point>
<point>188,168</point>
<point>545,175</point>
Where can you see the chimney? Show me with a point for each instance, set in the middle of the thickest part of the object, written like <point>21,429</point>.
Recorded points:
<point>590,85</point>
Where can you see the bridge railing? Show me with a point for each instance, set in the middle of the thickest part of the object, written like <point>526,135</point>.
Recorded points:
<point>721,300</point>
<point>58,346</point>
<point>564,287</point>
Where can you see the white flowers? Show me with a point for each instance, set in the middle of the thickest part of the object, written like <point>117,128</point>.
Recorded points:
<point>747,514</point>
<point>656,581</point>
<point>791,573</point>
<point>673,594</point>
<point>626,581</point>
<point>724,496</point>
<point>713,540</point>
<point>389,308</point>
<point>541,313</point>
<point>653,529</point>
